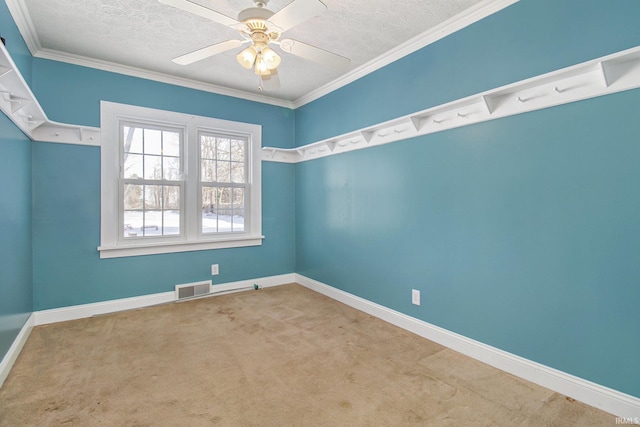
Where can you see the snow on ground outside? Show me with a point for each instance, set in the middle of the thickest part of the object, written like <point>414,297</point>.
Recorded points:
<point>133,221</point>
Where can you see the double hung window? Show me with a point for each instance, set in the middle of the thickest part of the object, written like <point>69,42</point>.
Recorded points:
<point>173,182</point>
<point>223,181</point>
<point>151,185</point>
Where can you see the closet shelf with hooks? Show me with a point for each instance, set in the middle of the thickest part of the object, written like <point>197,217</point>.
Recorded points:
<point>21,106</point>
<point>614,73</point>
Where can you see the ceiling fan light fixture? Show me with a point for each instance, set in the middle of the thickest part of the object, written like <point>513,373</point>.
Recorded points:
<point>261,67</point>
<point>247,57</point>
<point>271,58</point>
<point>260,27</point>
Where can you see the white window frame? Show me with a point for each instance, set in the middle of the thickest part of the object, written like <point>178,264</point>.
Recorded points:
<point>191,238</point>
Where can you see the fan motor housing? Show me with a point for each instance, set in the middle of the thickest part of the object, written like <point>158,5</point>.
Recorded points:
<point>254,14</point>
<point>259,38</point>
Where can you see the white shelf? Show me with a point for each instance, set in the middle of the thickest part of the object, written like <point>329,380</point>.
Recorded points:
<point>21,106</point>
<point>602,76</point>
<point>614,73</point>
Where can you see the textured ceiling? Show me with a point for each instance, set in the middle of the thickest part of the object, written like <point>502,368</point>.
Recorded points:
<point>147,35</point>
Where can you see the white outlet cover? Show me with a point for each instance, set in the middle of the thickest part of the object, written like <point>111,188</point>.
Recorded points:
<point>215,269</point>
<point>415,296</point>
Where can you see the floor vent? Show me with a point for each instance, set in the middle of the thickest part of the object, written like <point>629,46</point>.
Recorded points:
<point>192,290</point>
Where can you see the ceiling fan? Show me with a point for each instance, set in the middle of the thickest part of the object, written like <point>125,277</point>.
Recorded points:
<point>260,27</point>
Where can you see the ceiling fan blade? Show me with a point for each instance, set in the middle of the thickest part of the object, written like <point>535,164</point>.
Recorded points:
<point>315,54</point>
<point>295,13</point>
<point>208,51</point>
<point>196,9</point>
<point>270,81</point>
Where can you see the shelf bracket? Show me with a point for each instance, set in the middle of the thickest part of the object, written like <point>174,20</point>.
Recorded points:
<point>603,73</point>
<point>416,121</point>
<point>488,105</point>
<point>367,135</point>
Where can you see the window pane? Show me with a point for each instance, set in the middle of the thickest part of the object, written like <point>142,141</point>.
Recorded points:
<point>238,220</point>
<point>132,223</point>
<point>224,223</point>
<point>237,172</point>
<point>238,209</point>
<point>238,198</point>
<point>152,167</point>
<point>152,141</point>
<point>209,199</point>
<point>171,144</point>
<point>209,212</point>
<point>152,223</point>
<point>207,147</point>
<point>237,150</point>
<point>171,195</point>
<point>224,197</point>
<point>133,196</point>
<point>223,172</point>
<point>153,197</point>
<point>223,151</point>
<point>171,168</point>
<point>171,225</point>
<point>207,170</point>
<point>224,209</point>
<point>132,139</point>
<point>132,166</point>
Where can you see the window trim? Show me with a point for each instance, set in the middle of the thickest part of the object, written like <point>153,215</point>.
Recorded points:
<point>111,246</point>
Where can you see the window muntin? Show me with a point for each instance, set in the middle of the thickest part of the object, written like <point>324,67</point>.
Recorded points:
<point>223,181</point>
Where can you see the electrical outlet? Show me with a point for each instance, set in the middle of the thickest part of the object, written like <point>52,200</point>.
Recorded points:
<point>215,270</point>
<point>415,296</point>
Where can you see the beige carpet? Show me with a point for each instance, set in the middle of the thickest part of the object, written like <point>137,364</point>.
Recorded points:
<point>283,356</point>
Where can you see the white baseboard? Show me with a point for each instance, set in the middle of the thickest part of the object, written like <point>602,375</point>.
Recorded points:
<point>74,312</point>
<point>609,400</point>
<point>9,359</point>
<point>264,282</point>
<point>63,314</point>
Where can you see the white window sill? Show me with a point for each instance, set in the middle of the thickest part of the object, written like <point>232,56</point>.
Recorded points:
<point>171,247</point>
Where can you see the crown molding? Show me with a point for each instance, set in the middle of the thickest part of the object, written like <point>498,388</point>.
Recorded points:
<point>481,10</point>
<point>448,27</point>
<point>20,14</point>
<point>22,18</point>
<point>159,77</point>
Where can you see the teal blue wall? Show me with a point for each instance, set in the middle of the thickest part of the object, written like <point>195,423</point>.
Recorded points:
<point>522,232</point>
<point>66,192</point>
<point>526,39</point>
<point>16,301</point>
